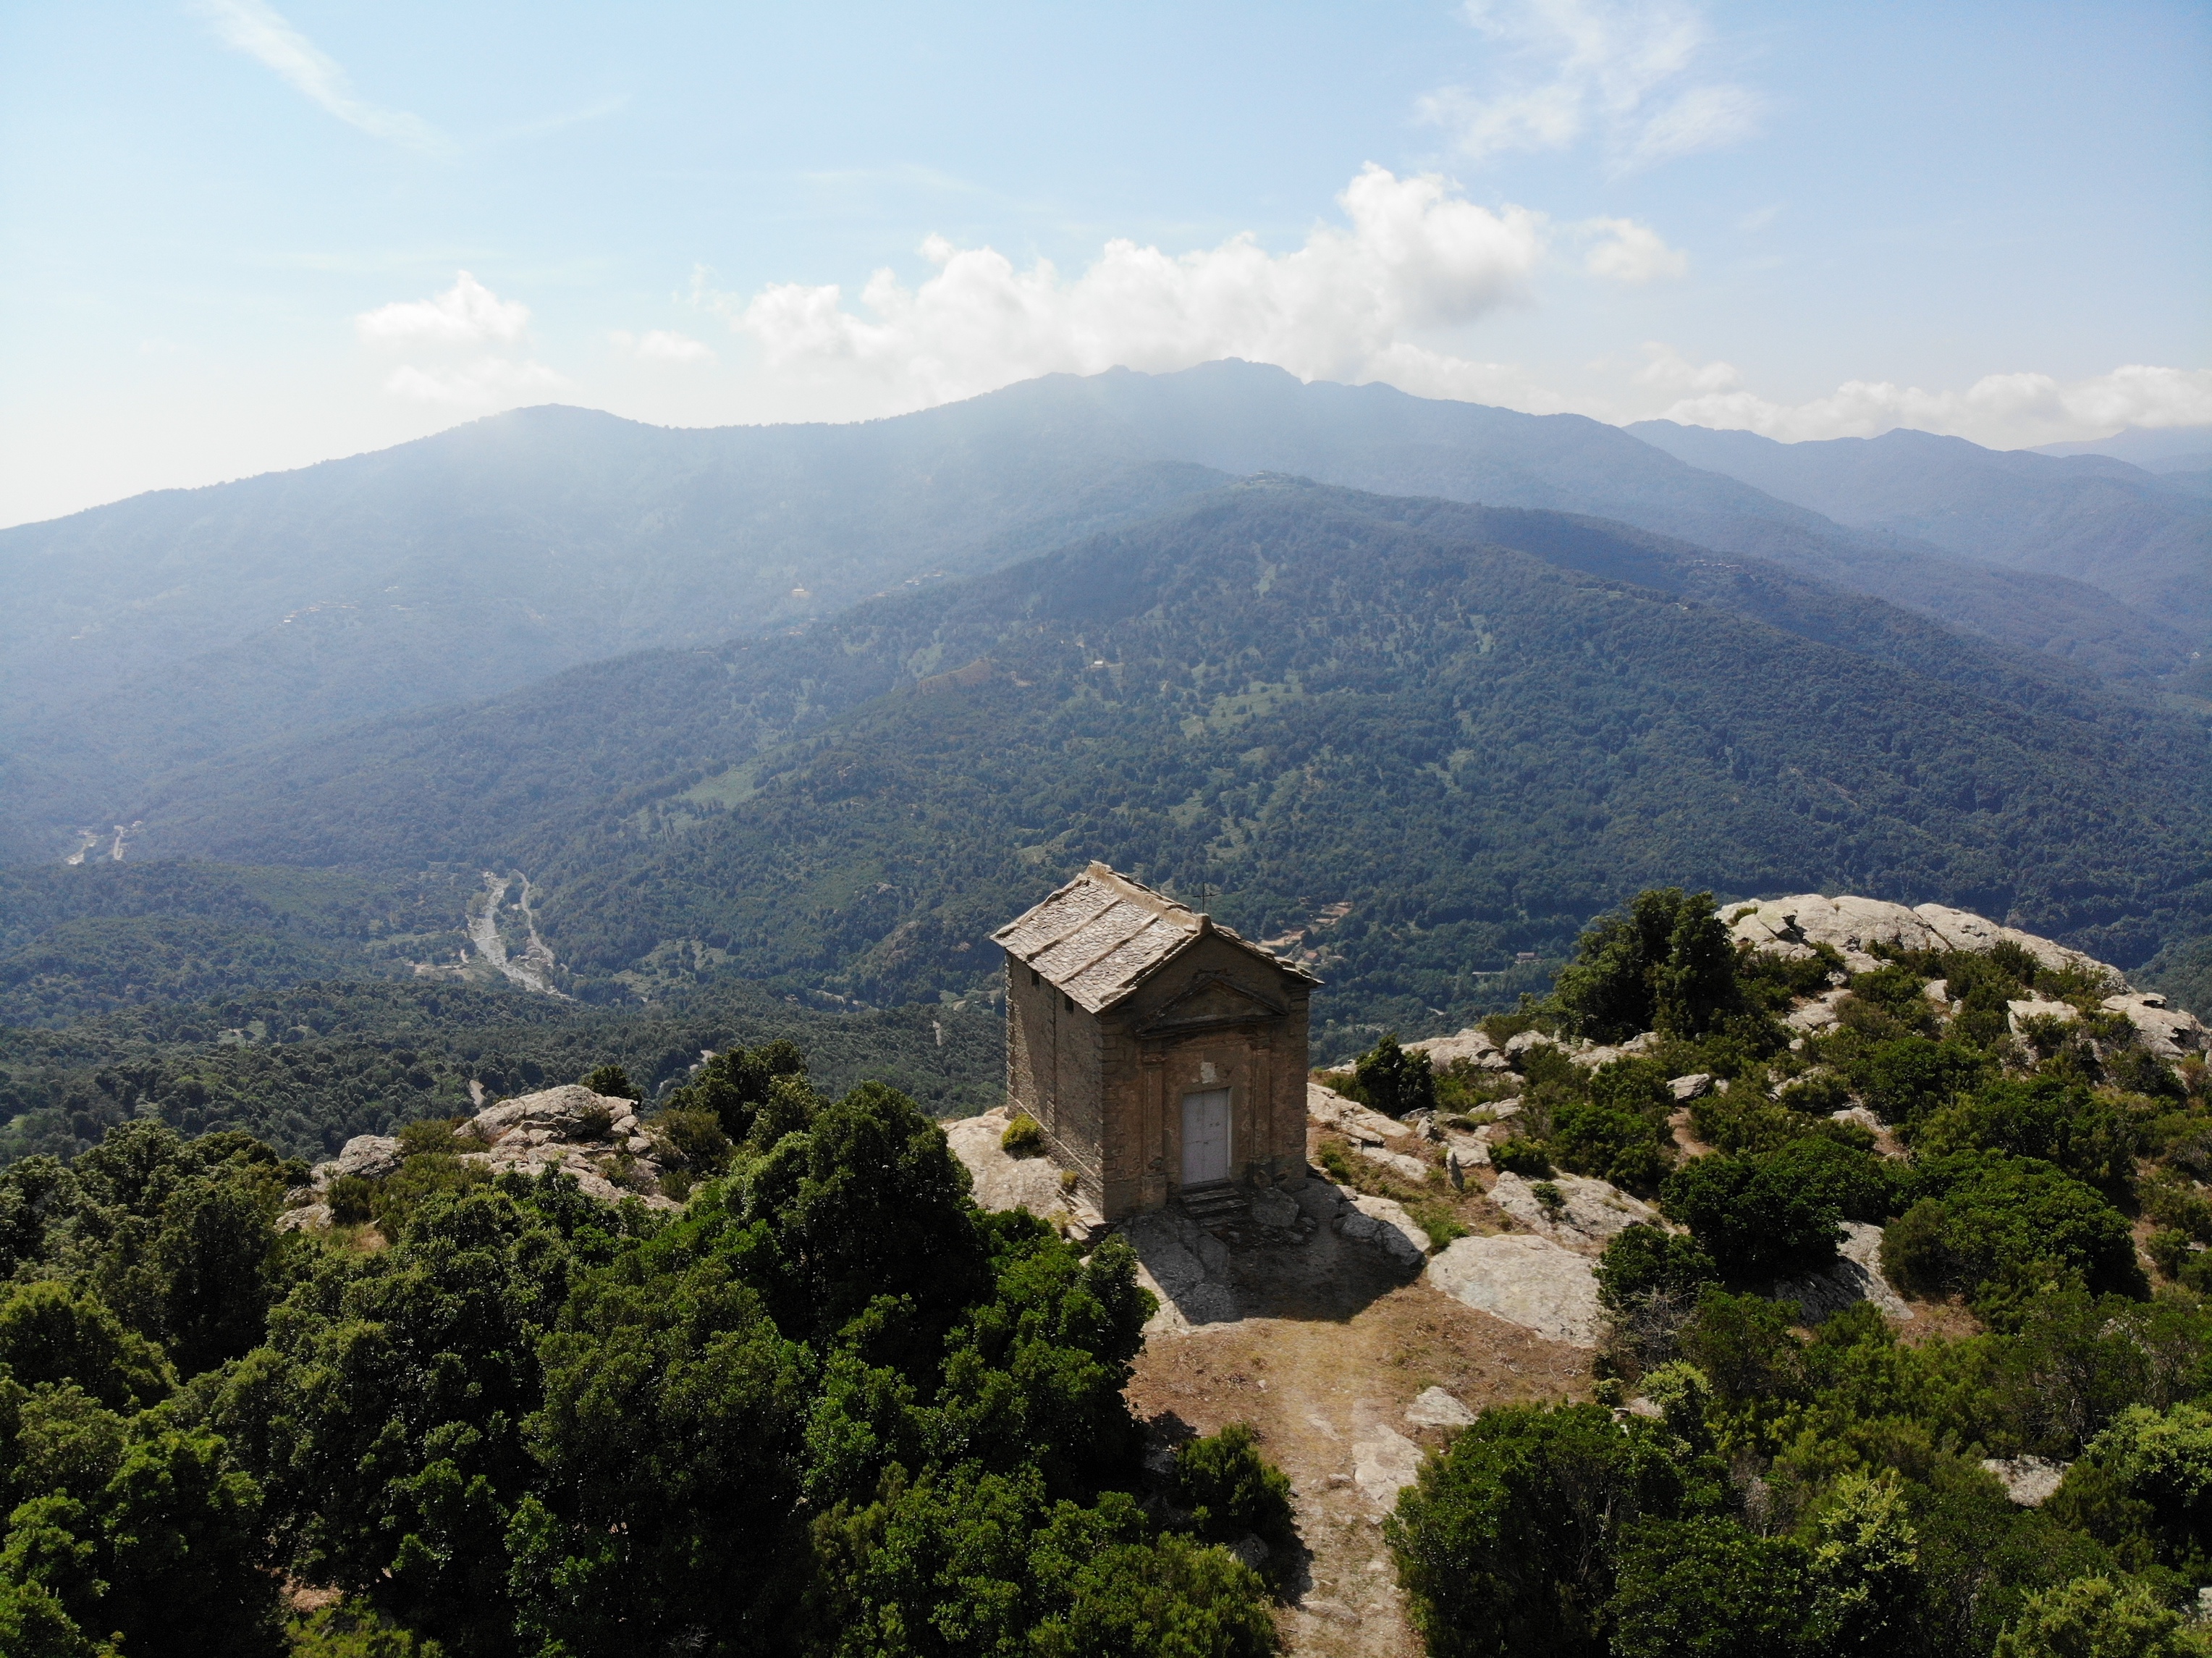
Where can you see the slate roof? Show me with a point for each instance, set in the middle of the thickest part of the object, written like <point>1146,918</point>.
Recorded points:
<point>1101,936</point>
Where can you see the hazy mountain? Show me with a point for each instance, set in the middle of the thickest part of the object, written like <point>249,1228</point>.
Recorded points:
<point>186,624</point>
<point>2089,517</point>
<point>2155,449</point>
<point>1476,727</point>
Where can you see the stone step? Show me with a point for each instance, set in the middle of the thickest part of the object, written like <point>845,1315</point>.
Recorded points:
<point>1217,1204</point>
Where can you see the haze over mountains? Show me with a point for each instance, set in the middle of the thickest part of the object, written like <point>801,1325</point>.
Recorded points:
<point>815,707</point>
<point>182,625</point>
<point>2139,536</point>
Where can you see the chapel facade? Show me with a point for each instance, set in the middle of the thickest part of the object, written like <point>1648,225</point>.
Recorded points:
<point>1159,1051</point>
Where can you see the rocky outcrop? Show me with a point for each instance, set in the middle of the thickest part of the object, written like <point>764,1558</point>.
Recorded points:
<point>366,1156</point>
<point>1384,1464</point>
<point>2029,1481</point>
<point>1530,1282</point>
<point>594,1138</point>
<point>1594,1210</point>
<point>1854,1275</point>
<point>1470,1044</point>
<point>1792,926</point>
<point>2166,1032</point>
<point>1385,1225</point>
<point>1001,1179</point>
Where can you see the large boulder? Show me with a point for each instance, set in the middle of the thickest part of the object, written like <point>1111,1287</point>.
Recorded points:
<point>1530,1282</point>
<point>1469,1045</point>
<point>370,1156</point>
<point>2167,1033</point>
<point>1384,1224</point>
<point>571,1112</point>
<point>1033,1181</point>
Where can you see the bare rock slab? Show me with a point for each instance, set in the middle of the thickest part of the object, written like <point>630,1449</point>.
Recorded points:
<point>1385,1225</point>
<point>1383,1463</point>
<point>1435,1408</point>
<point>1595,1209</point>
<point>1854,1275</point>
<point>1531,1282</point>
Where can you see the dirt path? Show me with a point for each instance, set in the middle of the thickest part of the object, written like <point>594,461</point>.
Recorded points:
<point>1334,1346</point>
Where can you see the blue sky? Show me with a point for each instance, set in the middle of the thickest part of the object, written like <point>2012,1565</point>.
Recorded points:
<point>235,231</point>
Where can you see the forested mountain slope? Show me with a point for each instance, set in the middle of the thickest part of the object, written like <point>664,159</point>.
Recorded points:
<point>1306,697</point>
<point>185,625</point>
<point>2090,517</point>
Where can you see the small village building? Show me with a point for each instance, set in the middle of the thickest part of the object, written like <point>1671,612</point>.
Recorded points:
<point>1159,1051</point>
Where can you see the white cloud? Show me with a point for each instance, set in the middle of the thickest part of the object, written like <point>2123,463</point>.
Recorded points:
<point>1631,253</point>
<point>1617,68</point>
<point>661,346</point>
<point>256,29</point>
<point>1415,255</point>
<point>462,331</point>
<point>2006,411</point>
<point>467,313</point>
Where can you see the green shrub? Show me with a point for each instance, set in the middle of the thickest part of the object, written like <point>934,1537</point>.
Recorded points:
<point>1519,1155</point>
<point>1549,1198</point>
<point>2060,1123</point>
<point>1816,1095</point>
<point>1393,1081</point>
<point>1710,1586</point>
<point>1850,1180</point>
<point>352,1199</point>
<point>1665,963</point>
<point>1743,1120</point>
<point>1911,1077</point>
<point>614,1082</point>
<point>2097,1617</point>
<point>1436,1218</point>
<point>1621,1146</point>
<point>1023,1136</point>
<point>1751,1216</point>
<point>1505,1543</point>
<point>1988,1214</point>
<point>434,1136</point>
<point>1642,1260</point>
<point>697,1137</point>
<point>1232,1491</point>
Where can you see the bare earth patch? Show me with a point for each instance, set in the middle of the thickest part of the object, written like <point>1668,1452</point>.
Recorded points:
<point>1333,1347</point>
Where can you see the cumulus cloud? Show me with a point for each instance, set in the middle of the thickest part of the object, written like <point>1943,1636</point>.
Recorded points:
<point>1631,253</point>
<point>661,346</point>
<point>1414,255</point>
<point>2003,411</point>
<point>1620,70</point>
<point>476,345</point>
<point>467,313</point>
<point>260,31</point>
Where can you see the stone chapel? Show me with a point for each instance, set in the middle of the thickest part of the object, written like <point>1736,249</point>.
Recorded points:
<point>1159,1051</point>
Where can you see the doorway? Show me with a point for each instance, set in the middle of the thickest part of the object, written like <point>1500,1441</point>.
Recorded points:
<point>1205,1137</point>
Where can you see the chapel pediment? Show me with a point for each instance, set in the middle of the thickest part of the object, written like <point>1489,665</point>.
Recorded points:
<point>1211,999</point>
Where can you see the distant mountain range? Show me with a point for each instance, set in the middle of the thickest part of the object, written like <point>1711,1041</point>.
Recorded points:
<point>185,625</point>
<point>2138,535</point>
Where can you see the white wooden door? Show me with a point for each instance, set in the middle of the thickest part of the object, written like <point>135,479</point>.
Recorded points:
<point>1205,1137</point>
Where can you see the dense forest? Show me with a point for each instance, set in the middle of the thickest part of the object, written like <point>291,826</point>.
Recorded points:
<point>831,1408</point>
<point>308,1068</point>
<point>1302,698</point>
